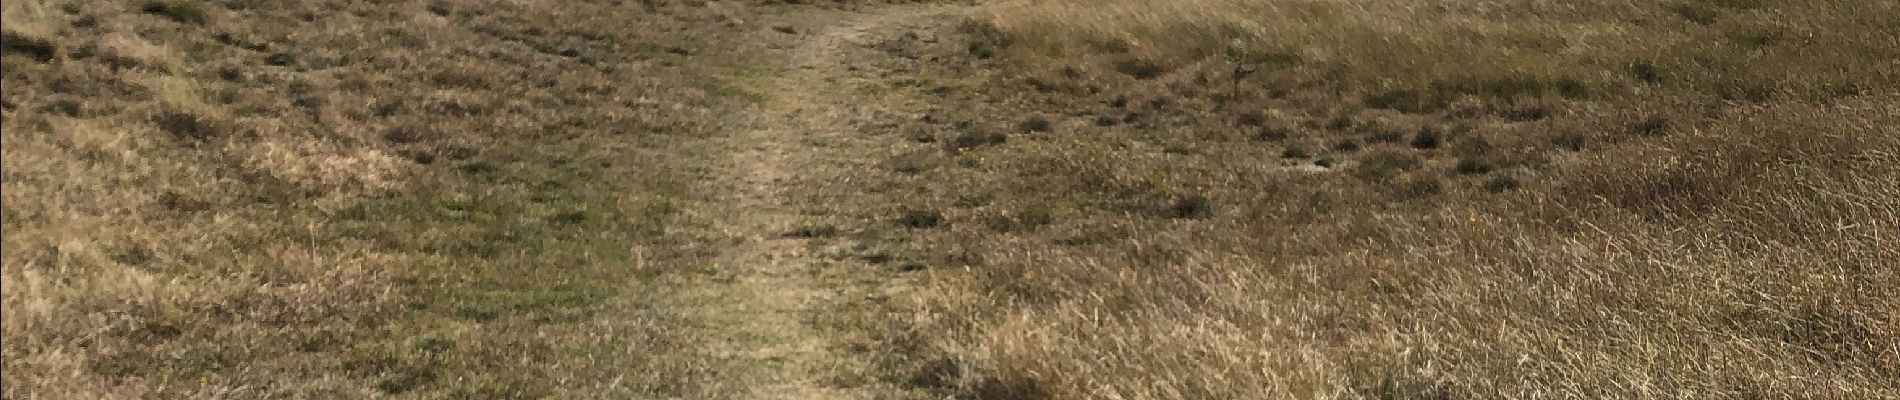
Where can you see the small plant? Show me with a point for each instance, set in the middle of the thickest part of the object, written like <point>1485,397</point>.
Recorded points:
<point>405,380</point>
<point>1654,125</point>
<point>420,157</point>
<point>66,105</point>
<point>1524,112</point>
<point>1025,220</point>
<point>35,47</point>
<point>412,133</point>
<point>1070,72</point>
<point>1191,206</point>
<point>1251,118</point>
<point>1697,13</point>
<point>478,168</point>
<point>912,164</point>
<point>1472,166</point>
<point>1341,122</point>
<point>986,39</point>
<point>1753,37</point>
<point>1427,138</point>
<point>982,50</point>
<point>1501,183</point>
<point>1346,146</point>
<point>974,139</point>
<point>1272,133</point>
<point>1404,100</point>
<point>182,202</point>
<point>1294,151</point>
<point>973,200</point>
<point>1571,141</point>
<point>187,125</point>
<point>1035,217</point>
<point>1035,124</point>
<point>919,219</point>
<point>31,29</point>
<point>1386,164</point>
<point>568,217</point>
<point>1647,72</point>
<point>1132,118</point>
<point>433,344</point>
<point>1418,186</point>
<point>813,231</point>
<point>280,60</point>
<point>1140,69</point>
<point>176,10</point>
<point>1382,133</point>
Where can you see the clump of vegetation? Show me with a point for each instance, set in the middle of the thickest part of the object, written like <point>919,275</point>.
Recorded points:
<point>1386,164</point>
<point>175,10</point>
<point>1272,133</point>
<point>1473,166</point>
<point>814,231</point>
<point>186,125</point>
<point>912,163</point>
<point>1416,187</point>
<point>38,48</point>
<point>1500,183</point>
<point>1346,146</point>
<point>1035,124</point>
<point>1427,138</point>
<point>1191,206</point>
<point>1140,68</point>
<point>919,219</point>
<point>30,30</point>
<point>971,139</point>
<point>1295,151</point>
<point>1651,126</point>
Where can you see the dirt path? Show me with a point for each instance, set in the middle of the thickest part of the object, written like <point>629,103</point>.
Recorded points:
<point>758,304</point>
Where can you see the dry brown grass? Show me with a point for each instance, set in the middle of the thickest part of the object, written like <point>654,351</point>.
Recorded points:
<point>1426,55</point>
<point>246,199</point>
<point>1600,199</point>
<point>1107,199</point>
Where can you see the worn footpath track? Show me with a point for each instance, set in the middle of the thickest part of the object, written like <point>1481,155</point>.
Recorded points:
<point>758,305</point>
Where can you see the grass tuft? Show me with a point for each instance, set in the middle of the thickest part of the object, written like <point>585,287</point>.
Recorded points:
<point>181,11</point>
<point>919,219</point>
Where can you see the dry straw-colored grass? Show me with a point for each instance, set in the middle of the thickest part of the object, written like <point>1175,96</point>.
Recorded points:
<point>1596,199</point>
<point>244,199</point>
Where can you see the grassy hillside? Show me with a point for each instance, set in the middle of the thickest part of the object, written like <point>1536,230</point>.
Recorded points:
<point>1057,199</point>
<point>1426,199</point>
<point>242,199</point>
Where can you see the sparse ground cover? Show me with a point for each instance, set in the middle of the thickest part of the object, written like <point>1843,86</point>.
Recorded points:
<point>244,199</point>
<point>1362,199</point>
<point>1051,199</point>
